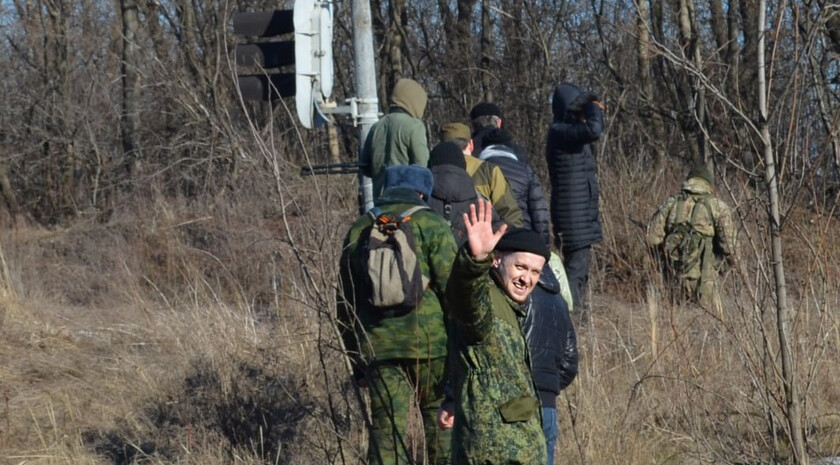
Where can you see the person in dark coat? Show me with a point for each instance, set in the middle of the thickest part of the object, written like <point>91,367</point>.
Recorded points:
<point>486,117</point>
<point>578,121</point>
<point>523,181</point>
<point>553,346</point>
<point>454,189</point>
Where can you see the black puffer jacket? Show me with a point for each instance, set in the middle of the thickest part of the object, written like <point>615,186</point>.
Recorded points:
<point>525,186</point>
<point>551,339</point>
<point>479,145</point>
<point>571,168</point>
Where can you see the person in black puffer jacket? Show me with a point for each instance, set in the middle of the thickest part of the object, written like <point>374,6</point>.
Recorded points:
<point>523,182</point>
<point>578,121</point>
<point>553,346</point>
<point>485,118</point>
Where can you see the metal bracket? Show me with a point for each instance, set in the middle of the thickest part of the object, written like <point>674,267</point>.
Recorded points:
<point>352,109</point>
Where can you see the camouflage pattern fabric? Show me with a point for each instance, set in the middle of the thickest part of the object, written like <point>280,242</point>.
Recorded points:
<point>394,385</point>
<point>402,357</point>
<point>497,412</point>
<point>420,334</point>
<point>492,184</point>
<point>700,281</point>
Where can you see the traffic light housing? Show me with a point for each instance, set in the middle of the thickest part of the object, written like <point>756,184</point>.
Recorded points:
<point>272,50</point>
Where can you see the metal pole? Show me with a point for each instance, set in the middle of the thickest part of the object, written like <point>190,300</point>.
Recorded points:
<point>365,69</point>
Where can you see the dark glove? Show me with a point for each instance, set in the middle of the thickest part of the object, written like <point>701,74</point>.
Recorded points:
<point>581,100</point>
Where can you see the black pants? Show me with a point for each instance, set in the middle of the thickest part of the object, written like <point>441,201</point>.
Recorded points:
<point>576,263</point>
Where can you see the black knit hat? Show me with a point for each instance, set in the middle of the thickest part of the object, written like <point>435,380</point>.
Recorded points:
<point>485,109</point>
<point>497,136</point>
<point>700,171</point>
<point>447,153</point>
<point>523,240</point>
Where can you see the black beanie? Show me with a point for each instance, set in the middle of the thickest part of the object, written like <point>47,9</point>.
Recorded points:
<point>497,136</point>
<point>485,109</point>
<point>447,153</point>
<point>523,240</point>
<point>700,171</point>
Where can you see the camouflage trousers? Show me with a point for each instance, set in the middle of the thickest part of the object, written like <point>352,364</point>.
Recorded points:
<point>705,292</point>
<point>394,385</point>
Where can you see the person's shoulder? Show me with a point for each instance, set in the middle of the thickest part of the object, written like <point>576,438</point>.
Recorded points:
<point>718,205</point>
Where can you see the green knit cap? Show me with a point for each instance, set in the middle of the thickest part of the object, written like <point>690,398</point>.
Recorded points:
<point>700,171</point>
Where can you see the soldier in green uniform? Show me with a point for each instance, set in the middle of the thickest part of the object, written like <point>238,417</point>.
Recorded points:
<point>401,359</point>
<point>694,234</point>
<point>496,409</point>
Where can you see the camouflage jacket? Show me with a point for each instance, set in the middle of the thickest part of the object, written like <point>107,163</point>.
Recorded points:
<point>714,222</point>
<point>369,336</point>
<point>490,182</point>
<point>497,413</point>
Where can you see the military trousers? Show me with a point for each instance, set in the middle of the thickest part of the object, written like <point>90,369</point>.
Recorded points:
<point>394,385</point>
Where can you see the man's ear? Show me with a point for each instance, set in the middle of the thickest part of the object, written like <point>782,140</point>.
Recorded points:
<point>497,259</point>
<point>471,146</point>
<point>499,124</point>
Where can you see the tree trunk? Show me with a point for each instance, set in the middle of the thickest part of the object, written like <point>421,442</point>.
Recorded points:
<point>130,116</point>
<point>487,55</point>
<point>396,9</point>
<point>643,26</point>
<point>784,315</point>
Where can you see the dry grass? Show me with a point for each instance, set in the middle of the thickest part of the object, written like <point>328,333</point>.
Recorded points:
<point>178,332</point>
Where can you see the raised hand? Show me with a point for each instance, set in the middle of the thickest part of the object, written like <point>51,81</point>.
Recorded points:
<point>480,236</point>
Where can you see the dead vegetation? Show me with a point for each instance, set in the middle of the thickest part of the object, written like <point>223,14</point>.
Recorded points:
<point>186,333</point>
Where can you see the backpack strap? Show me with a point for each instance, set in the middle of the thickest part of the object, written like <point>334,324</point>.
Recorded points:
<point>375,212</point>
<point>411,211</point>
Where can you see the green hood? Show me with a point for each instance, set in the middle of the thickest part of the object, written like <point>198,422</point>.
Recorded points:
<point>409,96</point>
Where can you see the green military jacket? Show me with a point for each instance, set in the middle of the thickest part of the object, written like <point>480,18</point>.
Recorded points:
<point>714,222</point>
<point>399,138</point>
<point>491,183</point>
<point>497,412</point>
<point>369,336</point>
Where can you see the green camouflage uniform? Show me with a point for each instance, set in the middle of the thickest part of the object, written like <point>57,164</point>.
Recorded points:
<point>402,358</point>
<point>699,281</point>
<point>497,413</point>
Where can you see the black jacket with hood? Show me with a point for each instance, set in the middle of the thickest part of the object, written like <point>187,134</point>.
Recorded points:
<point>525,187</point>
<point>551,339</point>
<point>571,168</point>
<point>479,144</point>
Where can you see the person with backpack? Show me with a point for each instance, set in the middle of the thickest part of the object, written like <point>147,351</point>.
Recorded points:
<point>454,190</point>
<point>394,268</point>
<point>693,233</point>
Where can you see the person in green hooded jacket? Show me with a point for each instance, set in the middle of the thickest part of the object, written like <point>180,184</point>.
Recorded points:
<point>399,138</point>
<point>496,410</point>
<point>400,359</point>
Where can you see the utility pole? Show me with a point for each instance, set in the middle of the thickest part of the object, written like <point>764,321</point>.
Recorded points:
<point>368,103</point>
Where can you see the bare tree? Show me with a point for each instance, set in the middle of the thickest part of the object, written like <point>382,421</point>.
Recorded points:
<point>784,314</point>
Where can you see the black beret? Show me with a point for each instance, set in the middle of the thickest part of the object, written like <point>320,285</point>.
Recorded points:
<point>485,109</point>
<point>523,240</point>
